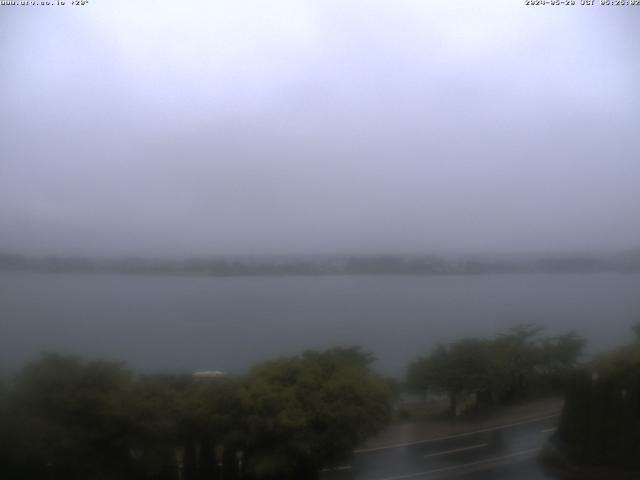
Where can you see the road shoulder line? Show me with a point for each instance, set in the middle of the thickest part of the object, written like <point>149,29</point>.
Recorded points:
<point>489,461</point>
<point>458,435</point>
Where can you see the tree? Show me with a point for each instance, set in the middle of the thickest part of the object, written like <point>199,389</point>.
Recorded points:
<point>600,422</point>
<point>530,364</point>
<point>417,378</point>
<point>67,419</point>
<point>562,350</point>
<point>64,417</point>
<point>218,423</point>
<point>463,367</point>
<point>506,368</point>
<point>158,421</point>
<point>636,331</point>
<point>518,355</point>
<point>308,411</point>
<point>5,426</point>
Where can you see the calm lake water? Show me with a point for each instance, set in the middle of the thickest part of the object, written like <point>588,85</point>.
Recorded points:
<point>191,323</point>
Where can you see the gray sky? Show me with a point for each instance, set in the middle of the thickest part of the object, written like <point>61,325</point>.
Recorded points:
<point>216,127</point>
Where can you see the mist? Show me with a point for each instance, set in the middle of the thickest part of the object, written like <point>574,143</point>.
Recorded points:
<point>218,128</point>
<point>319,240</point>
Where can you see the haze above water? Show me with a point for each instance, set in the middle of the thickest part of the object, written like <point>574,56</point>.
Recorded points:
<point>205,129</point>
<point>168,323</point>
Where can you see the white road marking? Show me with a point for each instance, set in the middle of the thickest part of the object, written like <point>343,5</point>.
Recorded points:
<point>456,450</point>
<point>547,430</point>
<point>463,466</point>
<point>457,435</point>
<point>343,467</point>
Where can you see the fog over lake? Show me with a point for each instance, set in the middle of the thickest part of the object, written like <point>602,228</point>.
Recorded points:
<point>196,186</point>
<point>183,324</point>
<point>177,130</point>
<point>157,128</point>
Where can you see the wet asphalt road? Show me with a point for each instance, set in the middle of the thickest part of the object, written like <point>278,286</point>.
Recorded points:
<point>503,452</point>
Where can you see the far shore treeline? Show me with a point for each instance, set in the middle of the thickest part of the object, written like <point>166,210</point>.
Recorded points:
<point>627,262</point>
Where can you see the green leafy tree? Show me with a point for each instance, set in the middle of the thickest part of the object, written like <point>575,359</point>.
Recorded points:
<point>530,364</point>
<point>159,421</point>
<point>5,425</point>
<point>67,419</point>
<point>218,428</point>
<point>417,378</point>
<point>636,331</point>
<point>309,411</point>
<point>562,351</point>
<point>518,354</point>
<point>600,422</point>
<point>505,369</point>
<point>464,367</point>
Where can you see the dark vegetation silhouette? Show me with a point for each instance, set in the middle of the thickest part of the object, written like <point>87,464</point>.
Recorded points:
<point>599,430</point>
<point>64,417</point>
<point>512,367</point>
<point>67,418</point>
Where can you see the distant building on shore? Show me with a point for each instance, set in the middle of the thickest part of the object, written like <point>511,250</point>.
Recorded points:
<point>208,374</point>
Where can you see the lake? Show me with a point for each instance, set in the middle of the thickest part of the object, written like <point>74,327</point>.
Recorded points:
<point>188,323</point>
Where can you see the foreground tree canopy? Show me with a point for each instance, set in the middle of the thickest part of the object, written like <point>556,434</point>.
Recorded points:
<point>64,417</point>
<point>600,423</point>
<point>508,368</point>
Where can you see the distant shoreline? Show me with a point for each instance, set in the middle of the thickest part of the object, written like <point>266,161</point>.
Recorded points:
<point>324,265</point>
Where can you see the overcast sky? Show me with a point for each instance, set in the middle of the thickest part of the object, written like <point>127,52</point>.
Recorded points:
<point>234,127</point>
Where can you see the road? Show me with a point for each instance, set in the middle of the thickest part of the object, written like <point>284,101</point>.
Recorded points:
<point>505,451</point>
